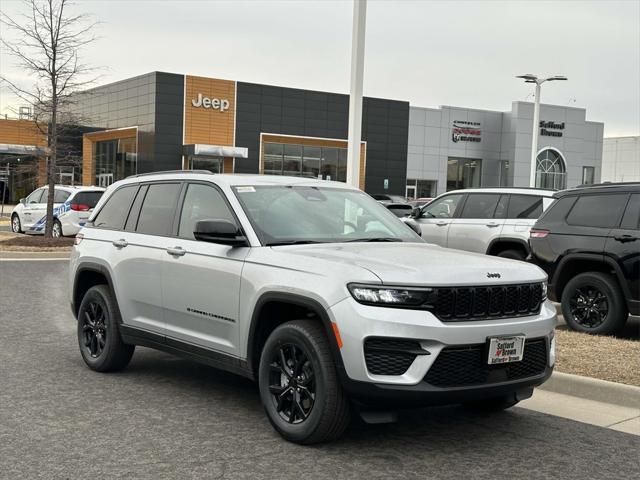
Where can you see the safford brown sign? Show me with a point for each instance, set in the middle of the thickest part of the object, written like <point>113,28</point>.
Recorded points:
<point>551,129</point>
<point>464,131</point>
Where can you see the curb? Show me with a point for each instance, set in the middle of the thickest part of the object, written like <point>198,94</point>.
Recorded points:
<point>17,255</point>
<point>593,389</point>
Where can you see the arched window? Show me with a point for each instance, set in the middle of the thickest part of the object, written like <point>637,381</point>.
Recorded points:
<point>550,170</point>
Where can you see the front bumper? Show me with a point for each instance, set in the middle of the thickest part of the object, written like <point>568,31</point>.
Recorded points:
<point>357,322</point>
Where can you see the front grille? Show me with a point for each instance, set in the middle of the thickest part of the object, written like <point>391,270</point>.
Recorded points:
<point>459,304</point>
<point>465,366</point>
<point>389,356</point>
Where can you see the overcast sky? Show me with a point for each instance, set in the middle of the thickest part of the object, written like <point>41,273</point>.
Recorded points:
<point>431,53</point>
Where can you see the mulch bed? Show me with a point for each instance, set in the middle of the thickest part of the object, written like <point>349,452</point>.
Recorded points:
<point>607,358</point>
<point>37,242</point>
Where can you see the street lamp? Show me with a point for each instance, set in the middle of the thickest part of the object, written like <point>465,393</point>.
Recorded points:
<point>530,78</point>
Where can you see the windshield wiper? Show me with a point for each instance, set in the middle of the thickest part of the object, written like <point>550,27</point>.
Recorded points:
<point>291,242</point>
<point>375,239</point>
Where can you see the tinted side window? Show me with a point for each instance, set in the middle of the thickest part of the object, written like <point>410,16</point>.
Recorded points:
<point>442,208</point>
<point>202,202</point>
<point>480,205</point>
<point>90,199</point>
<point>602,211</point>
<point>114,212</point>
<point>525,206</point>
<point>158,209</point>
<point>60,196</point>
<point>631,219</point>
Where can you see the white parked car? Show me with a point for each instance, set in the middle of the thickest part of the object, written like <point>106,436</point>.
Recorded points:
<point>495,221</point>
<point>311,288</point>
<point>71,209</point>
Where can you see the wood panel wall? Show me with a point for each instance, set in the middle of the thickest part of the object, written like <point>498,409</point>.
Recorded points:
<point>21,132</point>
<point>209,126</point>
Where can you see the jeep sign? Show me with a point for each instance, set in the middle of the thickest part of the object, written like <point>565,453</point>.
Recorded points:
<point>206,102</point>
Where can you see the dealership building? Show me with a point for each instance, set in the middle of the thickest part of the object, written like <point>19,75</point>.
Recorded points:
<point>166,121</point>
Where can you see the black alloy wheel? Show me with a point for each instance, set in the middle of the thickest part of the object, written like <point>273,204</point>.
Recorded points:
<point>292,383</point>
<point>589,306</point>
<point>94,329</point>
<point>593,302</point>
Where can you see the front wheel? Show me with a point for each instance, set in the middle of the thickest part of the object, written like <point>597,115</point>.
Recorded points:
<point>56,231</point>
<point>593,303</point>
<point>16,226</point>
<point>298,384</point>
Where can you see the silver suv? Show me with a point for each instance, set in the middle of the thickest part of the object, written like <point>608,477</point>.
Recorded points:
<point>311,288</point>
<point>495,221</point>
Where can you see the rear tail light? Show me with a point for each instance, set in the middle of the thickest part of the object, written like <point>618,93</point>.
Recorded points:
<point>80,207</point>
<point>538,233</point>
<point>78,239</point>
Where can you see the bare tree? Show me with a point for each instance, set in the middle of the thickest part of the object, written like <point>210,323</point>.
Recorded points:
<point>46,45</point>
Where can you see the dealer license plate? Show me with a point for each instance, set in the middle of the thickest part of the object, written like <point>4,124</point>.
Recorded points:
<point>506,349</point>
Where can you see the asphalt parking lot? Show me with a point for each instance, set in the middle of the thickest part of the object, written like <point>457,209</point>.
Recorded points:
<point>165,417</point>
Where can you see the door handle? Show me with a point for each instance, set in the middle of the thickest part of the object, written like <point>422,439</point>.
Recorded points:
<point>176,251</point>
<point>120,243</point>
<point>625,238</point>
<point>492,225</point>
<point>442,224</point>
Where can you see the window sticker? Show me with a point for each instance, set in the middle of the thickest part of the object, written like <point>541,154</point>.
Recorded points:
<point>245,189</point>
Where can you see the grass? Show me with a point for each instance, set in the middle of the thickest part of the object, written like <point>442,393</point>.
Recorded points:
<point>605,357</point>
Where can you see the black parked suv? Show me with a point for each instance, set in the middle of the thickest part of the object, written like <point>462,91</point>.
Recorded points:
<point>588,242</point>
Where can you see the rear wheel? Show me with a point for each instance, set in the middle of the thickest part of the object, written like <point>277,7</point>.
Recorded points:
<point>16,226</point>
<point>99,339</point>
<point>298,384</point>
<point>513,254</point>
<point>592,302</point>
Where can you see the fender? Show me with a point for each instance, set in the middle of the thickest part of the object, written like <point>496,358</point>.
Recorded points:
<point>301,301</point>
<point>519,241</point>
<point>91,267</point>
<point>596,257</point>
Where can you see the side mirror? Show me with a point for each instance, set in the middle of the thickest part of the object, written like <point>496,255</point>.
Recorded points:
<point>413,225</point>
<point>23,200</point>
<point>416,212</point>
<point>219,231</point>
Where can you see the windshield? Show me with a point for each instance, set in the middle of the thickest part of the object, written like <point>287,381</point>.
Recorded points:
<point>282,215</point>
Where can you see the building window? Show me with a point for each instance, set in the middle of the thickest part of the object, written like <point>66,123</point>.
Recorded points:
<point>550,170</point>
<point>505,179</point>
<point>588,175</point>
<point>463,173</point>
<point>213,164</point>
<point>328,163</point>
<point>115,160</point>
<point>421,188</point>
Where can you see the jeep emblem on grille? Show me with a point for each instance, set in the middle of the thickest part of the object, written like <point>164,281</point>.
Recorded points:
<point>493,275</point>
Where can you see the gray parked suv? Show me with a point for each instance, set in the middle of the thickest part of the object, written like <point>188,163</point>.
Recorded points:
<point>495,221</point>
<point>313,289</point>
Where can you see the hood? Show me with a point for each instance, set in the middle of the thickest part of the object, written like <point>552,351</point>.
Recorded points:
<point>420,263</point>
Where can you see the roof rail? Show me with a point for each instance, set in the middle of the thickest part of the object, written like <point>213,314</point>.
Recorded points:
<point>607,184</point>
<point>164,172</point>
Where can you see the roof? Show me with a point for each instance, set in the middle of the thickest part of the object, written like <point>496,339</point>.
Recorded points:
<point>621,187</point>
<point>235,179</point>
<point>511,190</point>
<point>77,188</point>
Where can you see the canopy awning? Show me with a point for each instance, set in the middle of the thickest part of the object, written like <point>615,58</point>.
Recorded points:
<point>215,150</point>
<point>32,150</point>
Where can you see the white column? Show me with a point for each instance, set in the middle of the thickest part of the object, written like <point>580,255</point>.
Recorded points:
<point>534,137</point>
<point>355,97</point>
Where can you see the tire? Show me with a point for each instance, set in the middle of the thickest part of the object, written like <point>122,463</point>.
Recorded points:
<point>495,404</point>
<point>56,231</point>
<point>328,412</point>
<point>98,320</point>
<point>16,225</point>
<point>593,302</point>
<point>513,254</point>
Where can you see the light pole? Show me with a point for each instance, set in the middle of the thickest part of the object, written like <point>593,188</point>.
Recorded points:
<point>530,78</point>
<point>355,96</point>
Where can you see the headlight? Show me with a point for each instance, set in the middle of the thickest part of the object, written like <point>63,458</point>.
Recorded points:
<point>390,296</point>
<point>552,351</point>
<point>544,291</point>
